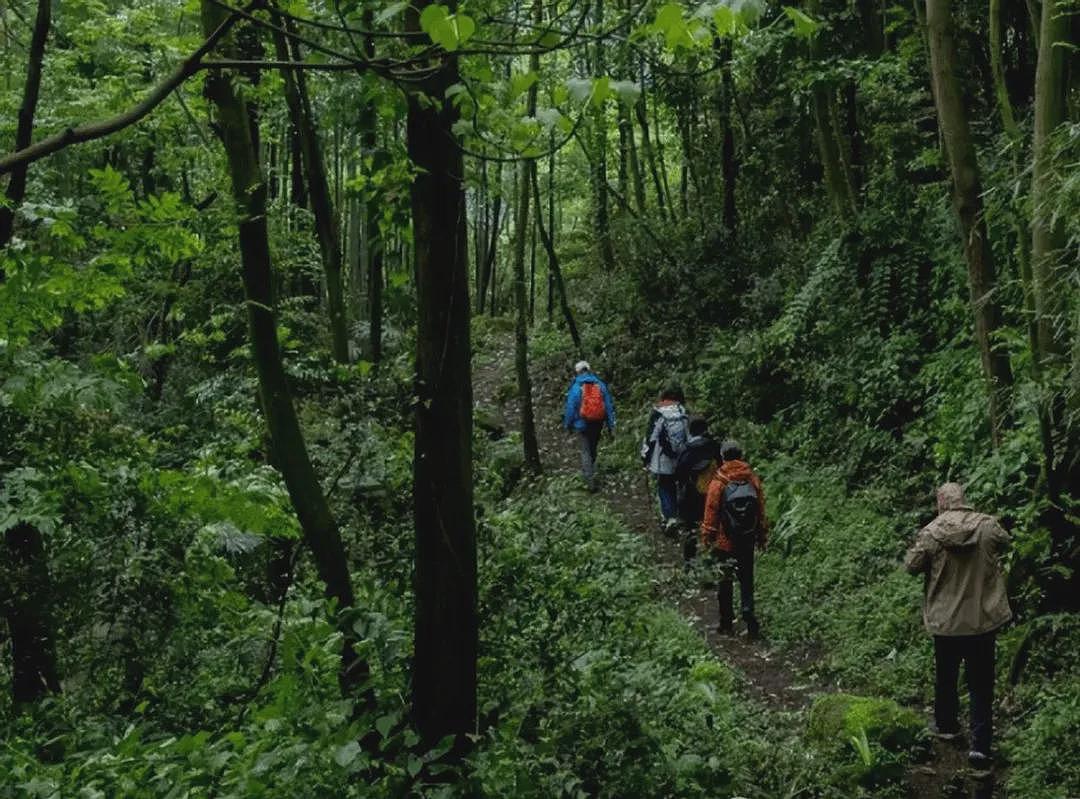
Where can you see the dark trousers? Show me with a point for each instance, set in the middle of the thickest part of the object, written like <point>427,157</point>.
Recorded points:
<point>667,488</point>
<point>741,562</point>
<point>589,439</point>
<point>976,652</point>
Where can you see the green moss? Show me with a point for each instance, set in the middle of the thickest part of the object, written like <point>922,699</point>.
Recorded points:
<point>836,718</point>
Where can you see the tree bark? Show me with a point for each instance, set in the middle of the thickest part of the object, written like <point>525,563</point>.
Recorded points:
<point>601,209</point>
<point>729,166</point>
<point>445,644</point>
<point>373,241</point>
<point>26,608</point>
<point>642,113</point>
<point>967,200</point>
<point>288,447</point>
<point>322,205</point>
<point>1047,228</point>
<point>556,272</point>
<point>24,132</point>
<point>521,317</point>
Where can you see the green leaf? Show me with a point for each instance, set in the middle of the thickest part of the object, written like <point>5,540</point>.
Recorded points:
<point>345,755</point>
<point>805,27</point>
<point>521,82</point>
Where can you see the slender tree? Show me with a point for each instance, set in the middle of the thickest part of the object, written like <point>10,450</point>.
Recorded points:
<point>322,205</point>
<point>288,447</point>
<point>24,132</point>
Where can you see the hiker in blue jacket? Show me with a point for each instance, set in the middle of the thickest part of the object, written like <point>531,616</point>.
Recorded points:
<point>588,409</point>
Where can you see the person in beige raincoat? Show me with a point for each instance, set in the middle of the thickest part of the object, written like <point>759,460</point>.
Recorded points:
<point>965,603</point>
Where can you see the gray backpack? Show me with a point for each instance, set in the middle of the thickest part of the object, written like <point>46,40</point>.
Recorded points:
<point>741,510</point>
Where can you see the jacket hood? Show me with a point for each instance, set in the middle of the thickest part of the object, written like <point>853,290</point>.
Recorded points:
<point>951,497</point>
<point>957,529</point>
<point>736,470</point>
<point>588,377</point>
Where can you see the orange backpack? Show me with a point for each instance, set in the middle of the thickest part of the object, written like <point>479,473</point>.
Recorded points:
<point>592,403</point>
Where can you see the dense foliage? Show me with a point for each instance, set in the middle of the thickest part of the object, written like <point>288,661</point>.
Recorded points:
<point>234,372</point>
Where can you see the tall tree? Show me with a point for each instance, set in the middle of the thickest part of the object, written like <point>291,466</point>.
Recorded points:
<point>25,599</point>
<point>289,449</point>
<point>373,241</point>
<point>445,644</point>
<point>322,205</point>
<point>559,285</point>
<point>729,166</point>
<point>601,210</point>
<point>24,132</point>
<point>967,200</point>
<point>521,316</point>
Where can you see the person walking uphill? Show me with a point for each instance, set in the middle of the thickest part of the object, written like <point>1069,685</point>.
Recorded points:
<point>666,434</point>
<point>589,408</point>
<point>965,603</point>
<point>734,524</point>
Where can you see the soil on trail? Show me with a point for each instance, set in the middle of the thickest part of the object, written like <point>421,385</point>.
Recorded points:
<point>784,681</point>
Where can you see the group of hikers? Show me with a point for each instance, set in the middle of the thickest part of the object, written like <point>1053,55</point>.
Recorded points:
<point>711,499</point>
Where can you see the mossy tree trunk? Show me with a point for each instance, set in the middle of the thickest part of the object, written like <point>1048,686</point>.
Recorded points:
<point>967,200</point>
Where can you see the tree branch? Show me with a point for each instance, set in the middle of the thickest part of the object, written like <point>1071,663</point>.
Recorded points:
<point>105,127</point>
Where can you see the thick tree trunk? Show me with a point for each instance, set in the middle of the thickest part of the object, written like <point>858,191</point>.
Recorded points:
<point>26,608</point>
<point>24,132</point>
<point>1047,227</point>
<point>967,199</point>
<point>444,664</point>
<point>288,447</point>
<point>322,206</point>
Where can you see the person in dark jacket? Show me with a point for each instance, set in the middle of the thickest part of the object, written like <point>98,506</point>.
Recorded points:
<point>734,524</point>
<point>965,604</point>
<point>589,408</point>
<point>694,469</point>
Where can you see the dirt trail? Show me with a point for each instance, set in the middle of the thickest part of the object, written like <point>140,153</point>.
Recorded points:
<point>784,681</point>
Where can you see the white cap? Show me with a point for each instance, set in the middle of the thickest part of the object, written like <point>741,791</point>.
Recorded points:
<point>581,366</point>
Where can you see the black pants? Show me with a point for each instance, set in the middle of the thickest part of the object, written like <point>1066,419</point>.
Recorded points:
<point>976,652</point>
<point>742,562</point>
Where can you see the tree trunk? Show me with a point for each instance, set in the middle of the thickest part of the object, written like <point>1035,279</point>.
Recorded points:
<point>373,240</point>
<point>26,607</point>
<point>487,273</point>
<point>636,178</point>
<point>642,113</point>
<point>521,316</point>
<point>556,272</point>
<point>601,210</point>
<point>967,199</point>
<point>729,166</point>
<point>24,132</point>
<point>288,447</point>
<point>322,205</point>
<point>445,645</point>
<point>1047,227</point>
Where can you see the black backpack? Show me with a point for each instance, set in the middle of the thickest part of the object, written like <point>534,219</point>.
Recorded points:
<point>741,509</point>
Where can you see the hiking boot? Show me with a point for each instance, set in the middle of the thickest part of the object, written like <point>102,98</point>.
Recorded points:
<point>980,762</point>
<point>753,629</point>
<point>671,528</point>
<point>725,628</point>
<point>944,733</point>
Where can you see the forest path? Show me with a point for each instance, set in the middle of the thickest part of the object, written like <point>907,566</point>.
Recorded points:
<point>783,681</point>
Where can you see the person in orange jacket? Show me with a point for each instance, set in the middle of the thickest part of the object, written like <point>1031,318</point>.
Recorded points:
<point>734,523</point>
